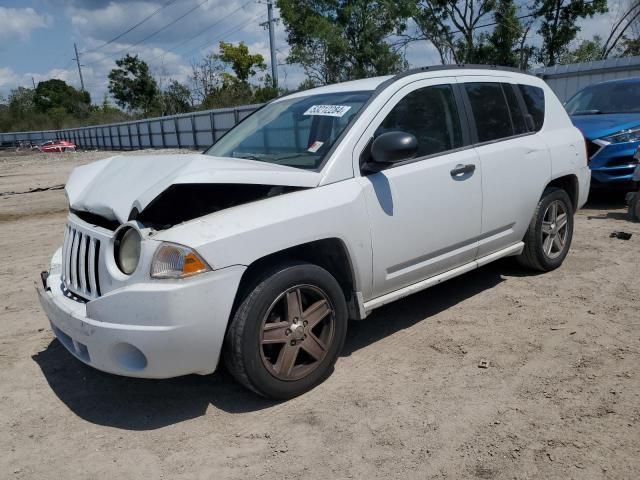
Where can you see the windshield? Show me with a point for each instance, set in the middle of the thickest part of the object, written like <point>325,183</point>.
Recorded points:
<point>297,132</point>
<point>621,97</point>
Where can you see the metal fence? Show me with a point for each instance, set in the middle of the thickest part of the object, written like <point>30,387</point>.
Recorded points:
<point>565,80</point>
<point>195,130</point>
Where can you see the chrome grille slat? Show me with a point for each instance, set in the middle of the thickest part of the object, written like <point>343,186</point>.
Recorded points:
<point>82,272</point>
<point>67,263</point>
<point>73,277</point>
<point>64,252</point>
<point>80,254</point>
<point>92,266</point>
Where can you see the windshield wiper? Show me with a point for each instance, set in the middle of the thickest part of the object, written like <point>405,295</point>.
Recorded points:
<point>587,112</point>
<point>250,156</point>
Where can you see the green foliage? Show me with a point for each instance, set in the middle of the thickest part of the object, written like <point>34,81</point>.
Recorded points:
<point>215,85</point>
<point>56,95</point>
<point>503,46</point>
<point>586,51</point>
<point>559,24</point>
<point>176,98</point>
<point>630,47</point>
<point>338,40</point>
<point>132,85</point>
<point>451,26</point>
<point>243,63</point>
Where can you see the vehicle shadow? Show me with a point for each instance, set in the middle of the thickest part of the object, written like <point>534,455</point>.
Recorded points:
<point>606,200</point>
<point>138,404</point>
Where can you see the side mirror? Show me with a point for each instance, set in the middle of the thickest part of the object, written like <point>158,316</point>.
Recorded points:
<point>392,147</point>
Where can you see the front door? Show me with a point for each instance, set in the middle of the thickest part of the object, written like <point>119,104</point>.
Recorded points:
<point>425,213</point>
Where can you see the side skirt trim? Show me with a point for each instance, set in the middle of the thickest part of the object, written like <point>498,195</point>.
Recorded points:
<point>371,305</point>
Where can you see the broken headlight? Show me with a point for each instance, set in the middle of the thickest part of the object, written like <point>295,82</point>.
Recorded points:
<point>176,261</point>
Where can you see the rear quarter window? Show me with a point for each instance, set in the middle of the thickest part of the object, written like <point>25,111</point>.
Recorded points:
<point>534,100</point>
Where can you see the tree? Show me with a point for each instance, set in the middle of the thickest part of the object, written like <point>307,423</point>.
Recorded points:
<point>222,79</point>
<point>559,24</point>
<point>503,46</point>
<point>176,98</point>
<point>338,40</point>
<point>586,51</point>
<point>243,63</point>
<point>206,76</point>
<point>57,94</point>
<point>618,41</point>
<point>132,85</point>
<point>452,26</point>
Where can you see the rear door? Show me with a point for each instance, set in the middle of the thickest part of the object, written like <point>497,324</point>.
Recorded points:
<point>515,160</point>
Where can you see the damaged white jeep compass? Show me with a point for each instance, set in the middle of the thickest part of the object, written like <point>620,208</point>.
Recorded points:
<point>318,208</point>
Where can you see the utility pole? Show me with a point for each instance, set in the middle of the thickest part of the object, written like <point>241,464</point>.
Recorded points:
<point>77,59</point>
<point>33,82</point>
<point>272,43</point>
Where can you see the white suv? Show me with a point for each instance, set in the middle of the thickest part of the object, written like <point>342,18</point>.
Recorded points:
<point>318,208</point>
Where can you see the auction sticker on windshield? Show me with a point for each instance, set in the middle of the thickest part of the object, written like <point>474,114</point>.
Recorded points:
<point>328,110</point>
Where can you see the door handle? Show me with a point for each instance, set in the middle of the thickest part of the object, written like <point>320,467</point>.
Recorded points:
<point>461,170</point>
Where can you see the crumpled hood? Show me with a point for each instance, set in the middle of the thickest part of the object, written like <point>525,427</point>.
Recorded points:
<point>112,187</point>
<point>602,125</point>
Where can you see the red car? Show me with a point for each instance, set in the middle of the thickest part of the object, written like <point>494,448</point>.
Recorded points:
<point>57,146</point>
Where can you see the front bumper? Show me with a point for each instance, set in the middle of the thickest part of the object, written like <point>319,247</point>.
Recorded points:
<point>159,329</point>
<point>612,165</point>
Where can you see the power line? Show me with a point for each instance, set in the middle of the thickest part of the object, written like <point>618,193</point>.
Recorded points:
<point>224,35</point>
<point>153,34</point>
<point>155,12</point>
<point>184,42</point>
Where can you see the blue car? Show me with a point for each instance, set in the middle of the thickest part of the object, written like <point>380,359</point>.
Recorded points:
<point>608,114</point>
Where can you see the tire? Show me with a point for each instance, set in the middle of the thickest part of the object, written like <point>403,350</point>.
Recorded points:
<point>536,254</point>
<point>261,361</point>
<point>634,207</point>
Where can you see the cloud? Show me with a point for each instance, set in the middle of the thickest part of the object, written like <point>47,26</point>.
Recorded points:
<point>20,22</point>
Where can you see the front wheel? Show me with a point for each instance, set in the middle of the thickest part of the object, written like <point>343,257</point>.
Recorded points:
<point>288,331</point>
<point>547,241</point>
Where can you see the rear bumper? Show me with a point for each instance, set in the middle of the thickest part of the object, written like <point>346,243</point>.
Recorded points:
<point>159,329</point>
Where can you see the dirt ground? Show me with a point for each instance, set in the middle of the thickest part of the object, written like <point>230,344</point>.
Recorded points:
<point>560,399</point>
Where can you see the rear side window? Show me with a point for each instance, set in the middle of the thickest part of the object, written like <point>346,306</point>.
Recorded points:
<point>517,115</point>
<point>431,115</point>
<point>534,100</point>
<point>490,111</point>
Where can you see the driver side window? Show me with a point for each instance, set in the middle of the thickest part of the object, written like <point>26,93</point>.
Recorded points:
<point>430,114</point>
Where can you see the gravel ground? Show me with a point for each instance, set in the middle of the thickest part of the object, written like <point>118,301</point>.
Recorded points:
<point>560,399</point>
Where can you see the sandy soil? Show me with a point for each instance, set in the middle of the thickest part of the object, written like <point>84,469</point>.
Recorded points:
<point>560,399</point>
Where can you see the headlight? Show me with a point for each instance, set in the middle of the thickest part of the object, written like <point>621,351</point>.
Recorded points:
<point>176,261</point>
<point>127,250</point>
<point>630,135</point>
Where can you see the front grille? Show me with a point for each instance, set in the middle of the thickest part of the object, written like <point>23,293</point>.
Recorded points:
<point>622,162</point>
<point>80,255</point>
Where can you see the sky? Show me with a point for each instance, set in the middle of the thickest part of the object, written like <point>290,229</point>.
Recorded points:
<point>37,37</point>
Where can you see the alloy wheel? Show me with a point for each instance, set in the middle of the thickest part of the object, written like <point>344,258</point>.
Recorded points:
<point>297,332</point>
<point>554,229</point>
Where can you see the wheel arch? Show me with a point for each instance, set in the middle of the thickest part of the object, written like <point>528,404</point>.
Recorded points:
<point>568,183</point>
<point>331,254</point>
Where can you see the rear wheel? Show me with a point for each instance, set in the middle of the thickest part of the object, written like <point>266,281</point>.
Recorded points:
<point>548,238</point>
<point>634,206</point>
<point>288,331</point>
